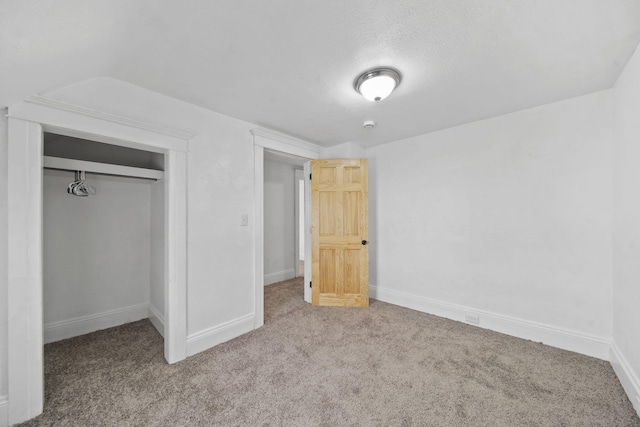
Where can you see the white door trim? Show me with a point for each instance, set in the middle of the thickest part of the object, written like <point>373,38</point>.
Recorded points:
<point>24,281</point>
<point>307,230</point>
<point>288,145</point>
<point>258,238</point>
<point>27,121</point>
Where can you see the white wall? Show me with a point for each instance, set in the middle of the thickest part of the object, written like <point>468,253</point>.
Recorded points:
<point>509,217</point>
<point>220,250</point>
<point>348,150</point>
<point>156,256</point>
<point>95,253</point>
<point>279,222</point>
<point>626,229</point>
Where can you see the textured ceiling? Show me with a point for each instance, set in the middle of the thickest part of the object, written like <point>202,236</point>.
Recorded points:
<point>290,65</point>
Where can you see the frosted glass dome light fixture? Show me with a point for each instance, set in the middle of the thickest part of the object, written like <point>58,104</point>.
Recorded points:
<point>375,85</point>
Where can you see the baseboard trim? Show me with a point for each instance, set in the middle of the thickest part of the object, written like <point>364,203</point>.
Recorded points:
<point>156,318</point>
<point>565,339</point>
<point>226,331</point>
<point>4,411</point>
<point>279,276</point>
<point>56,331</point>
<point>627,376</point>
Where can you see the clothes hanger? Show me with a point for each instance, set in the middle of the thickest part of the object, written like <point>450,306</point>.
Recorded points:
<point>79,187</point>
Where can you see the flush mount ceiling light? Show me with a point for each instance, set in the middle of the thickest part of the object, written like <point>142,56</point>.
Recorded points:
<point>375,85</point>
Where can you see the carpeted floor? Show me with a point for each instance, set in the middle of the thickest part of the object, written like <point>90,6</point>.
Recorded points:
<point>320,366</point>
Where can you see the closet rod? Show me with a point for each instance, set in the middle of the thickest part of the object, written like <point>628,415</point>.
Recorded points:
<point>101,168</point>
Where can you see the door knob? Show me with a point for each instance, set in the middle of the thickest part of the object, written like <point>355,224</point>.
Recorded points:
<point>364,242</point>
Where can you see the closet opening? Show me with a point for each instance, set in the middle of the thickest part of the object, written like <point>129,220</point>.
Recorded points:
<point>27,123</point>
<point>103,236</point>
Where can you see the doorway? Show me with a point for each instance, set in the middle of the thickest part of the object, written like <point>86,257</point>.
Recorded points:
<point>103,236</point>
<point>281,233</point>
<point>27,123</point>
<point>280,145</point>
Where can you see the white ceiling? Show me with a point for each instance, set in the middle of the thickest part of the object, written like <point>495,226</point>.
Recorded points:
<point>289,65</point>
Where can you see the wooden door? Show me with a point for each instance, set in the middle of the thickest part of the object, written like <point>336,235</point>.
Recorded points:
<point>340,230</point>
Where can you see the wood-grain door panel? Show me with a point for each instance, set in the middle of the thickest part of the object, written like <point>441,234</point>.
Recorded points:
<point>340,260</point>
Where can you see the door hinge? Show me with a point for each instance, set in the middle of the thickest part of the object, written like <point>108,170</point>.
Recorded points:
<point>311,284</point>
<point>310,176</point>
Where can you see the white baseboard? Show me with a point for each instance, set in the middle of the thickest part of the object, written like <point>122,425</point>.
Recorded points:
<point>156,318</point>
<point>56,331</point>
<point>4,411</point>
<point>279,276</point>
<point>627,376</point>
<point>211,337</point>
<point>556,337</point>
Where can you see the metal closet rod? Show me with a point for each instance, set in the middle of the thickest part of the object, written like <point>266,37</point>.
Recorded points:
<point>101,168</point>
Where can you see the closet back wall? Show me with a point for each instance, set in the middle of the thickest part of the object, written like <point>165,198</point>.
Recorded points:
<point>96,254</point>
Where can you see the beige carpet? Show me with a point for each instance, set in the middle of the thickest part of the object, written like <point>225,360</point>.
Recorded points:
<point>310,366</point>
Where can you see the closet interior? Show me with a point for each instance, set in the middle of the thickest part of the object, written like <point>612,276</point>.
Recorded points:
<point>103,236</point>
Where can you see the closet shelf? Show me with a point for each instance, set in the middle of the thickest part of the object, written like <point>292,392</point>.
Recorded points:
<point>101,168</point>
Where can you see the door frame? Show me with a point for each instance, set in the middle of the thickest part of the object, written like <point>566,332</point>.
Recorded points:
<point>274,141</point>
<point>27,121</point>
<point>304,176</point>
<point>308,246</point>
